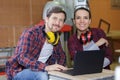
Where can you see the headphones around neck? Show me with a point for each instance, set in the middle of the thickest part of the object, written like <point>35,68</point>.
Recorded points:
<point>86,37</point>
<point>52,38</point>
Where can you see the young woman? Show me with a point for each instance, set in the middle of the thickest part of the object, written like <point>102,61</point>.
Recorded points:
<point>87,38</point>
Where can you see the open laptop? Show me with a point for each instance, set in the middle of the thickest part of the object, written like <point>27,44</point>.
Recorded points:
<point>87,62</point>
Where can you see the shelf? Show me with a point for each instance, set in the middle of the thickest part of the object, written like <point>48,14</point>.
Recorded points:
<point>2,65</point>
<point>5,57</point>
<point>2,68</point>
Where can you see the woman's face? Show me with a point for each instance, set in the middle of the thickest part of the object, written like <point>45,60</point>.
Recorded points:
<point>82,20</point>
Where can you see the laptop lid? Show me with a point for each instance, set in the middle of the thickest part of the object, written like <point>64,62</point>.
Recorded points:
<point>87,62</point>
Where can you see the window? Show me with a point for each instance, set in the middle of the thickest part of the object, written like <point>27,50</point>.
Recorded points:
<point>115,3</point>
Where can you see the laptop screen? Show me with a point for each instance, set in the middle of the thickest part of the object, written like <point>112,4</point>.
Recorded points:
<point>86,62</point>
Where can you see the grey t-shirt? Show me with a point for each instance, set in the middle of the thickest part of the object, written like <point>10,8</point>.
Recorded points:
<point>90,46</point>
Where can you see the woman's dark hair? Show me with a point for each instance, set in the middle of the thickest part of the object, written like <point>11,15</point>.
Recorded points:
<point>55,9</point>
<point>82,8</point>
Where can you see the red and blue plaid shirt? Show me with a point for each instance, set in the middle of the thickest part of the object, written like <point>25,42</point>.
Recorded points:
<point>28,50</point>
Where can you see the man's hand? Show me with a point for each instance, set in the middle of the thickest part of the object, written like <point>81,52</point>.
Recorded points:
<point>54,67</point>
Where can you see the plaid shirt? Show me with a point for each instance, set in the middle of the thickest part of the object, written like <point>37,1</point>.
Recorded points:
<point>75,45</point>
<point>28,50</point>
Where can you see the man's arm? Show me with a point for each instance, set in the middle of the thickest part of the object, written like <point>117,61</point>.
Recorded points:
<point>27,52</point>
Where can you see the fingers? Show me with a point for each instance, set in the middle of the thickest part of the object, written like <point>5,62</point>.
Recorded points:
<point>56,67</point>
<point>60,67</point>
<point>107,43</point>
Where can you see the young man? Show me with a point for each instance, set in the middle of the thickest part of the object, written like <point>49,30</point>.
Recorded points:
<point>39,50</point>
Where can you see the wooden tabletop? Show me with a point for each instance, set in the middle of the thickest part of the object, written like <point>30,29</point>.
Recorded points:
<point>105,73</point>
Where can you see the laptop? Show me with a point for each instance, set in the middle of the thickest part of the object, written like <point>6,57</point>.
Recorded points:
<point>87,62</point>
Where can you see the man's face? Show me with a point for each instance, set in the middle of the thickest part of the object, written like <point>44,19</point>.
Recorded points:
<point>55,22</point>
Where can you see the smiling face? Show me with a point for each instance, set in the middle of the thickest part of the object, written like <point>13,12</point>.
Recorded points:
<point>55,19</point>
<point>55,22</point>
<point>82,20</point>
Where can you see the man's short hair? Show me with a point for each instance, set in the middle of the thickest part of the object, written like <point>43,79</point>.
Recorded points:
<point>55,9</point>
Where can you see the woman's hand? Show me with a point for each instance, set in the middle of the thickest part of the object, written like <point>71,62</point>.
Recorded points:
<point>54,67</point>
<point>102,41</point>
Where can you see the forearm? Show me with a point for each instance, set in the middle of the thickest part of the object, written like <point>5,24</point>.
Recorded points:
<point>31,63</point>
<point>62,57</point>
<point>62,60</point>
<point>108,56</point>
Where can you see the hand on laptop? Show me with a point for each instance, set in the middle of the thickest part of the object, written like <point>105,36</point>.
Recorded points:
<point>55,67</point>
<point>102,41</point>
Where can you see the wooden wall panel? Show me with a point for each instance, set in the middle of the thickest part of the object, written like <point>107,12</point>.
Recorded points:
<point>14,12</point>
<point>102,9</point>
<point>15,16</point>
<point>37,11</point>
<point>6,37</point>
<point>17,31</point>
<point>21,12</point>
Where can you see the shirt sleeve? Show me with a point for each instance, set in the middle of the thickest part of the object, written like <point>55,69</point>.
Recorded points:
<point>27,50</point>
<point>72,49</point>
<point>108,51</point>
<point>62,56</point>
<point>106,62</point>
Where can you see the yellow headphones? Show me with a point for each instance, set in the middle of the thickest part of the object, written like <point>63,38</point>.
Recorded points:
<point>53,38</point>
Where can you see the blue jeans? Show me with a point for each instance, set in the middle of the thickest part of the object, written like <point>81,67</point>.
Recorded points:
<point>28,74</point>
